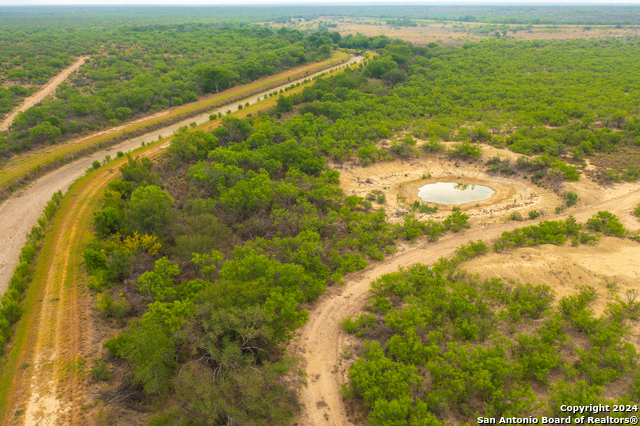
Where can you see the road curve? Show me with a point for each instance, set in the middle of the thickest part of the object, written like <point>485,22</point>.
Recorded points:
<point>20,212</point>
<point>320,342</point>
<point>46,90</point>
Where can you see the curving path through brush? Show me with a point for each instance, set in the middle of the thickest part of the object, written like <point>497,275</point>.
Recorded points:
<point>320,342</point>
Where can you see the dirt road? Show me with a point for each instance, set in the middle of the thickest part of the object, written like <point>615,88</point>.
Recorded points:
<point>48,388</point>
<point>46,90</point>
<point>321,341</point>
<point>20,212</point>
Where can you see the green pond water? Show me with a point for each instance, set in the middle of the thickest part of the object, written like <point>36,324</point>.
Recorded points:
<point>453,193</point>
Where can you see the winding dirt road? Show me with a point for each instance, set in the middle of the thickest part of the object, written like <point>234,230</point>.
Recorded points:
<point>321,342</point>
<point>46,90</point>
<point>20,212</point>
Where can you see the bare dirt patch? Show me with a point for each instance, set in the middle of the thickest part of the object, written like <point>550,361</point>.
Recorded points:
<point>611,266</point>
<point>400,181</point>
<point>457,33</point>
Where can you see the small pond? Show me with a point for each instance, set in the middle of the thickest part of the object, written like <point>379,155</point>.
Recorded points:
<point>453,193</point>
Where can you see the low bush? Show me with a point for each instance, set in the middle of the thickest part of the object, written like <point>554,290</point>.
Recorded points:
<point>516,215</point>
<point>571,198</point>
<point>423,208</point>
<point>465,150</point>
<point>10,307</point>
<point>100,371</point>
<point>606,223</point>
<point>358,324</point>
<point>456,221</point>
<point>546,232</point>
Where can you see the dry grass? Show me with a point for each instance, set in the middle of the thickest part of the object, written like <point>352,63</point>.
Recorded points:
<point>457,33</point>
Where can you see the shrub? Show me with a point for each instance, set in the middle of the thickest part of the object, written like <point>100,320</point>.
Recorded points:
<point>10,309</point>
<point>50,210</point>
<point>607,223</point>
<point>465,150</point>
<point>100,371</point>
<point>381,198</point>
<point>533,214</point>
<point>637,211</point>
<point>433,146</point>
<point>571,198</point>
<point>358,324</point>
<point>93,260</point>
<point>561,168</point>
<point>423,208</point>
<point>547,232</point>
<point>580,393</point>
<point>27,253</point>
<point>456,221</point>
<point>515,216</point>
<point>500,166</point>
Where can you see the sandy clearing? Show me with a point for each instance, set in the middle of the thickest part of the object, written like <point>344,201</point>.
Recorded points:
<point>566,268</point>
<point>20,212</point>
<point>513,193</point>
<point>321,342</point>
<point>46,90</point>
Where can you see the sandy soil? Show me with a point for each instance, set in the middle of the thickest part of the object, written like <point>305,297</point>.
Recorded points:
<point>51,387</point>
<point>20,212</point>
<point>512,193</point>
<point>321,342</point>
<point>612,267</point>
<point>455,33</point>
<point>46,90</point>
<point>447,35</point>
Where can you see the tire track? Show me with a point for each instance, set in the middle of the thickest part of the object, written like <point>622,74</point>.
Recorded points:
<point>47,390</point>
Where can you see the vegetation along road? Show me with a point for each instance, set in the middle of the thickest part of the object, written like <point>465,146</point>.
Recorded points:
<point>43,379</point>
<point>20,212</point>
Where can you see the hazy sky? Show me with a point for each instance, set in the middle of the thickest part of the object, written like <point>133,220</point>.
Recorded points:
<point>315,3</point>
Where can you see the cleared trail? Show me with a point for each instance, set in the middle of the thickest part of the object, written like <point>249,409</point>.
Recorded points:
<point>46,90</point>
<point>49,386</point>
<point>20,212</point>
<point>320,343</point>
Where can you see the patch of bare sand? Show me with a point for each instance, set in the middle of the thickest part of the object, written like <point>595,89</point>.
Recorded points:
<point>400,181</point>
<point>565,269</point>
